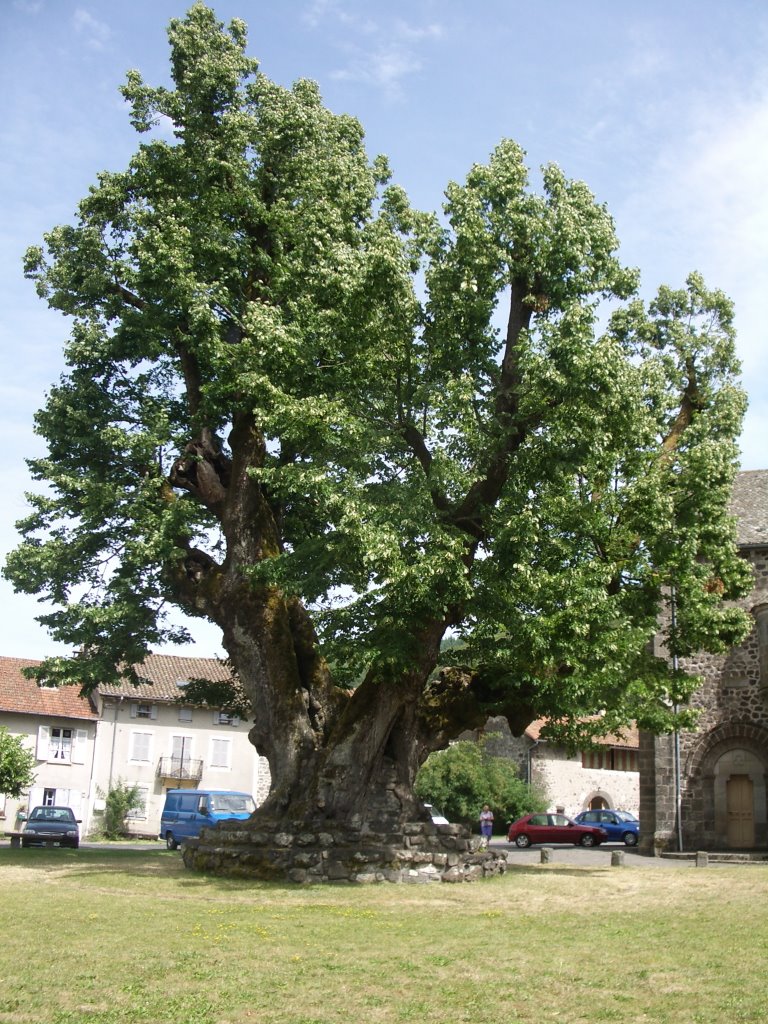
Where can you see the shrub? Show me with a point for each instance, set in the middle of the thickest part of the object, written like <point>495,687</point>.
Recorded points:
<point>119,802</point>
<point>17,765</point>
<point>462,778</point>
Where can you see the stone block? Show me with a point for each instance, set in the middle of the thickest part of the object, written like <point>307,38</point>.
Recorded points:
<point>336,871</point>
<point>453,874</point>
<point>366,877</point>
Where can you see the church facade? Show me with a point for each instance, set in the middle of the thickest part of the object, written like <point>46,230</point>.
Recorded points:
<point>706,790</point>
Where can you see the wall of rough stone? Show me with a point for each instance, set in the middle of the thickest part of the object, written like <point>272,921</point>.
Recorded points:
<point>733,713</point>
<point>420,853</point>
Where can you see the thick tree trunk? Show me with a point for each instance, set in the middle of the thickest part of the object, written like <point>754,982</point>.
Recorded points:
<point>335,756</point>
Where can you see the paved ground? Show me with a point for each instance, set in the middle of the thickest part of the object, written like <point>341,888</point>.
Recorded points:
<point>599,856</point>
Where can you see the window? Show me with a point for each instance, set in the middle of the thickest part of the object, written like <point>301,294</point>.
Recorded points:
<point>141,746</point>
<point>140,810</point>
<point>220,753</point>
<point>225,718</point>
<point>616,759</point>
<point>761,617</point>
<point>185,714</point>
<point>49,797</point>
<point>60,745</point>
<point>143,709</point>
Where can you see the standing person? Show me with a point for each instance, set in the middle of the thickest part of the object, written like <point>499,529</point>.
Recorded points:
<point>486,824</point>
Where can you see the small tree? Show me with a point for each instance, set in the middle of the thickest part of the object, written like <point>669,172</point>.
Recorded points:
<point>120,800</point>
<point>17,765</point>
<point>462,778</point>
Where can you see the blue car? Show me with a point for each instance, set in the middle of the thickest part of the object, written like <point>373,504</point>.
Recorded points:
<point>621,826</point>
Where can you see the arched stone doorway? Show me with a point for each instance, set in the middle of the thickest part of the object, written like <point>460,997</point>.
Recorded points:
<point>727,780</point>
<point>739,778</point>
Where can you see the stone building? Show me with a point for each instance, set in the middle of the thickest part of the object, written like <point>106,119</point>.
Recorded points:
<point>571,781</point>
<point>706,790</point>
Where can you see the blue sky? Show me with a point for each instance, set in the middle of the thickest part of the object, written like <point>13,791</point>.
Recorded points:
<point>662,108</point>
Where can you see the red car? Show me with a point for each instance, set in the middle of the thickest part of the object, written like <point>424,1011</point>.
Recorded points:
<point>553,828</point>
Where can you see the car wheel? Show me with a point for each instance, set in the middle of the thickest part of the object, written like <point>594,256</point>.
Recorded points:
<point>587,840</point>
<point>170,842</point>
<point>522,841</point>
<point>630,838</point>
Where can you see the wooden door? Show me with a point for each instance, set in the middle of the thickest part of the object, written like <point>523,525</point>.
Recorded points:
<point>740,807</point>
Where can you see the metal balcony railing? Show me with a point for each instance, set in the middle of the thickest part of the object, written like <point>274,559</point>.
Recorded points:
<point>182,769</point>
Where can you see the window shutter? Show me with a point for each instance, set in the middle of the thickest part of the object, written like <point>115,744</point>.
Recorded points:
<point>153,711</point>
<point>134,710</point>
<point>79,746</point>
<point>43,742</point>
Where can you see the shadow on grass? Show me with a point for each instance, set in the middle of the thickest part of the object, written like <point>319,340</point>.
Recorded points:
<point>151,863</point>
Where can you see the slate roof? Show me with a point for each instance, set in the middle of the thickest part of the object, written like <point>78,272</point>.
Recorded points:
<point>750,504</point>
<point>24,696</point>
<point>161,675</point>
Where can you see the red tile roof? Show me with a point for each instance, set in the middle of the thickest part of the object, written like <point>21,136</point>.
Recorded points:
<point>630,737</point>
<point>162,673</point>
<point>24,696</point>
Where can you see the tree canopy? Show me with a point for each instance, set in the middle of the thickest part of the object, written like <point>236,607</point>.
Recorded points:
<point>342,429</point>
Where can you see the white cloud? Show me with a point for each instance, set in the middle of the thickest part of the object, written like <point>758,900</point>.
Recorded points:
<point>416,33</point>
<point>28,6</point>
<point>701,204</point>
<point>381,53</point>
<point>95,33</point>
<point>384,68</point>
<point>322,11</point>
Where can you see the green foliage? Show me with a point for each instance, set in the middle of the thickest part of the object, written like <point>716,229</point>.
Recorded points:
<point>257,401</point>
<point>17,765</point>
<point>120,800</point>
<point>217,693</point>
<point>460,779</point>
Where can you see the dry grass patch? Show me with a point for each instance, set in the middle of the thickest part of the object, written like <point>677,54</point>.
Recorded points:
<point>117,937</point>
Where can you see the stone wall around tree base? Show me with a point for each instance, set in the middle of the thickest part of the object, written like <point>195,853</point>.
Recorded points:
<point>417,853</point>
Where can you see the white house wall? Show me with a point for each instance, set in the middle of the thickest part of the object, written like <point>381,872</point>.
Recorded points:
<point>571,787</point>
<point>70,776</point>
<point>129,749</point>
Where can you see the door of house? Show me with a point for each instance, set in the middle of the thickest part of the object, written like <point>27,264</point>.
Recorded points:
<point>741,815</point>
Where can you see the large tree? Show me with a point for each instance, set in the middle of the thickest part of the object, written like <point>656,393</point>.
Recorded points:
<point>343,430</point>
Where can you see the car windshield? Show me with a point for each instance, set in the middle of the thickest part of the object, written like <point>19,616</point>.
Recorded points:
<point>52,814</point>
<point>234,803</point>
<point>625,816</point>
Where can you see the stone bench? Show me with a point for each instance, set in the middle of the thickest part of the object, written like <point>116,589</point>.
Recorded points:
<point>15,838</point>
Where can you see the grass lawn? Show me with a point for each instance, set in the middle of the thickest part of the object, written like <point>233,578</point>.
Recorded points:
<point>119,936</point>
